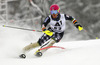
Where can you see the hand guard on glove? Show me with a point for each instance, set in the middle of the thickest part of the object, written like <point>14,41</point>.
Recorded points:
<point>46,31</point>
<point>80,28</point>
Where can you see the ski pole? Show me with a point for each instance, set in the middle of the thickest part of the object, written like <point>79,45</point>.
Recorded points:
<point>90,34</point>
<point>21,28</point>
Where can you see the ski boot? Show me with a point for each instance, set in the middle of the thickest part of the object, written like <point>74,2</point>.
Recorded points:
<point>22,56</point>
<point>38,53</point>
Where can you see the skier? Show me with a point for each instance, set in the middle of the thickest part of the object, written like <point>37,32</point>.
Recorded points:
<point>56,26</point>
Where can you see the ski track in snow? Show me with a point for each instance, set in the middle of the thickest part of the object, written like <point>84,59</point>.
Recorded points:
<point>76,52</point>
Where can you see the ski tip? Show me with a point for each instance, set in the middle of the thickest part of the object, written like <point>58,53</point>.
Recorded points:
<point>22,56</point>
<point>52,47</point>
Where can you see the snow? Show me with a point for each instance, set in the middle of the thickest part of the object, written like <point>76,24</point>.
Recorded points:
<point>76,52</point>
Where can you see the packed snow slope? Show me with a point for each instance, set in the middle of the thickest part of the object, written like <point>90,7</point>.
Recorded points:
<point>76,52</point>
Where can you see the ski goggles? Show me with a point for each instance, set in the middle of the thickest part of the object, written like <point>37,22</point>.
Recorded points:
<point>54,12</point>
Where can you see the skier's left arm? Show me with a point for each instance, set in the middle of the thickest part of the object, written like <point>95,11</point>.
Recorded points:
<point>74,21</point>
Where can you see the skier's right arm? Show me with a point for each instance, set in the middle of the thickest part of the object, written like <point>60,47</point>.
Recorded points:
<point>45,23</point>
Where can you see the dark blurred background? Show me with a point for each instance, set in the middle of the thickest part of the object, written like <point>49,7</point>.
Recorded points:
<point>31,13</point>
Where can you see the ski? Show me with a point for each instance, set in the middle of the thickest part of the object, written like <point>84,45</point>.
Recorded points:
<point>52,47</point>
<point>38,53</point>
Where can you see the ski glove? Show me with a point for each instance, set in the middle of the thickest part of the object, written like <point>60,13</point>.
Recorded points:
<point>80,28</point>
<point>48,32</point>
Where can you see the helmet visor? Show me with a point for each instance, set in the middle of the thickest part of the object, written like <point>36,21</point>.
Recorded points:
<point>54,12</point>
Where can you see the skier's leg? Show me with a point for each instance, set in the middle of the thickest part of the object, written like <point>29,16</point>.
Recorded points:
<point>34,45</point>
<point>56,38</point>
<point>51,43</point>
<point>30,46</point>
<point>39,52</point>
<point>27,48</point>
<point>41,40</point>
